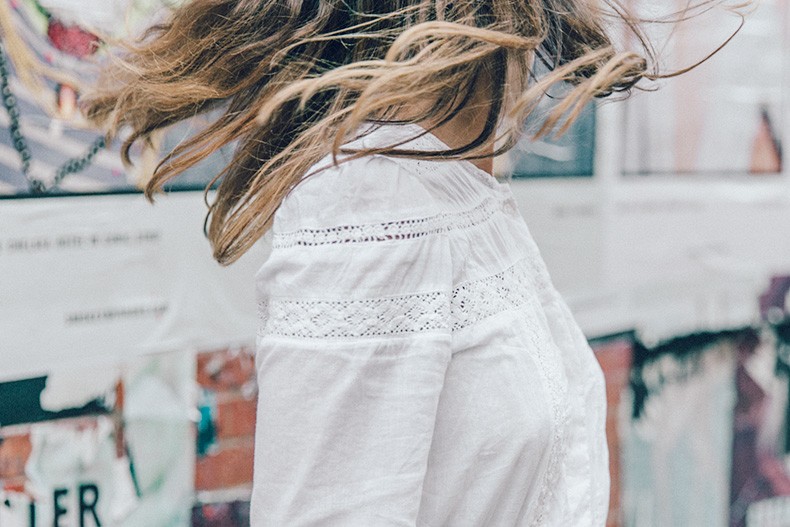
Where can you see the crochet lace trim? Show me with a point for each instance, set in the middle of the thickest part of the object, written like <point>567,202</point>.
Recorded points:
<point>394,230</point>
<point>326,319</point>
<point>548,358</point>
<point>467,304</point>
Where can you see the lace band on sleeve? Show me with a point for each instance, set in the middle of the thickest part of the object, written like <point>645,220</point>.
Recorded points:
<point>467,304</point>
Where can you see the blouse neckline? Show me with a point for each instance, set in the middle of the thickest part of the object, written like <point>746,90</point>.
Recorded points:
<point>419,133</point>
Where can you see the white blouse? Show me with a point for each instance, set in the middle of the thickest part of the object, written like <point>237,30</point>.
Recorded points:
<point>416,364</point>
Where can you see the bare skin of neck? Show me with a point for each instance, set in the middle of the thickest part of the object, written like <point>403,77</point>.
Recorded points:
<point>469,124</point>
<point>465,128</point>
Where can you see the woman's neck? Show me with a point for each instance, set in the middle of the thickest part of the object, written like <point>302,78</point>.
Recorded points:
<point>465,128</point>
<point>469,123</point>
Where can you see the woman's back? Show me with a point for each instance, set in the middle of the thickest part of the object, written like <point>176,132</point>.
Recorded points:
<point>417,358</point>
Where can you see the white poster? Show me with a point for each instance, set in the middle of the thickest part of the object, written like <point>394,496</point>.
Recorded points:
<point>106,277</point>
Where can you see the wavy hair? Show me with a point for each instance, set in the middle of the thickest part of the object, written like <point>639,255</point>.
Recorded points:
<point>294,79</point>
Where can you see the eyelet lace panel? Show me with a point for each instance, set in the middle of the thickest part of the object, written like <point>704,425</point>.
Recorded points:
<point>395,230</point>
<point>474,301</point>
<point>467,304</point>
<point>327,319</point>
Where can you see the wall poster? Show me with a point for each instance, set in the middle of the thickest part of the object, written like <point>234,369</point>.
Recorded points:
<point>724,118</point>
<point>49,53</point>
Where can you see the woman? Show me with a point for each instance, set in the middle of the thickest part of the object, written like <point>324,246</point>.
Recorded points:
<point>416,364</point>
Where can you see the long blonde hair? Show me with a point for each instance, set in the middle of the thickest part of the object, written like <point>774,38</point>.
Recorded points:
<point>294,79</point>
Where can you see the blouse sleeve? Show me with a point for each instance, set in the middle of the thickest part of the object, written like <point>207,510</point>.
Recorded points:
<point>352,352</point>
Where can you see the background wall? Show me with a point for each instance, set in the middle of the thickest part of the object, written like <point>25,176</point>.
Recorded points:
<point>120,333</point>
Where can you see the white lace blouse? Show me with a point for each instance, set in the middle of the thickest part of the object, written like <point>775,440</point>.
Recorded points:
<point>416,364</point>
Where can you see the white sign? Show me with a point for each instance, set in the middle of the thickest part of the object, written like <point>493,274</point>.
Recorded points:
<point>107,277</point>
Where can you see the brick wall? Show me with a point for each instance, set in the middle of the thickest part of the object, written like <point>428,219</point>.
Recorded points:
<point>223,472</point>
<point>14,451</point>
<point>229,377</point>
<point>615,358</point>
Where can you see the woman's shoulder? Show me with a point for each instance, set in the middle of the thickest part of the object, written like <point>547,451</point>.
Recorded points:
<point>373,189</point>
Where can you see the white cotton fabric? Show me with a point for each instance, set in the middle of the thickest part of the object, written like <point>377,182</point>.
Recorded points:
<point>416,364</point>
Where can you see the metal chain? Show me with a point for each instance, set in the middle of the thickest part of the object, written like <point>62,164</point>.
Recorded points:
<point>71,166</point>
